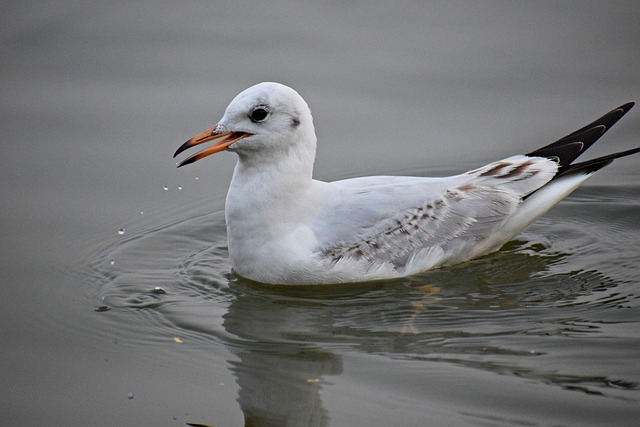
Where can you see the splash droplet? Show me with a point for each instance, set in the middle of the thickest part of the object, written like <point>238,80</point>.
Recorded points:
<point>129,395</point>
<point>141,213</point>
<point>112,262</point>
<point>158,290</point>
<point>197,178</point>
<point>166,188</point>
<point>179,187</point>
<point>121,231</point>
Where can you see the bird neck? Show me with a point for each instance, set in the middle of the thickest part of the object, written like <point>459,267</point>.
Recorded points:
<point>270,187</point>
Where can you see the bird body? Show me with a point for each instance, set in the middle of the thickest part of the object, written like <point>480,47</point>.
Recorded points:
<point>284,227</point>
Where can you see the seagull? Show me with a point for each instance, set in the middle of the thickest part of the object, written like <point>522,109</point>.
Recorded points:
<point>284,227</point>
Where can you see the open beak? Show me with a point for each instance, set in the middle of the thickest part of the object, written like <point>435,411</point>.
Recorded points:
<point>223,141</point>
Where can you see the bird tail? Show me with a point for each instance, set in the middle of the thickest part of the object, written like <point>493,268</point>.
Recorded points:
<point>569,175</point>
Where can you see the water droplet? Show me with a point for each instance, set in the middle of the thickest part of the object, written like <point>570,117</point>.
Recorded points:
<point>129,395</point>
<point>166,188</point>
<point>112,262</point>
<point>197,178</point>
<point>179,187</point>
<point>121,231</point>
<point>141,213</point>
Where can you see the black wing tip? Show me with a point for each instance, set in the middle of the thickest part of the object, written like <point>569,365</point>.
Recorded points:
<point>564,148</point>
<point>592,166</point>
<point>628,106</point>
<point>559,153</point>
<point>585,168</point>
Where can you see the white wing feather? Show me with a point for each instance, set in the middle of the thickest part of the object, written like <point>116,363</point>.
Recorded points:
<point>458,216</point>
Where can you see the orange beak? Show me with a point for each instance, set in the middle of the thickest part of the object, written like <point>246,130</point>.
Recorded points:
<point>224,140</point>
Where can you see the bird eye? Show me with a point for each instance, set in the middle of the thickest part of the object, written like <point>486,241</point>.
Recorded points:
<point>259,114</point>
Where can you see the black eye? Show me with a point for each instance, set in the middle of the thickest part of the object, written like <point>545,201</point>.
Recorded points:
<point>259,114</point>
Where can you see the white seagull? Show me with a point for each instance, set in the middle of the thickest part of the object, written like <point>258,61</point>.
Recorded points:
<point>284,227</point>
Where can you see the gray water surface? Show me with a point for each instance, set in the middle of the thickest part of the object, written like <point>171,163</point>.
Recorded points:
<point>149,327</point>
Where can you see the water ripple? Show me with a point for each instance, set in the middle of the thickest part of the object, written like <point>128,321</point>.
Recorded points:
<point>518,312</point>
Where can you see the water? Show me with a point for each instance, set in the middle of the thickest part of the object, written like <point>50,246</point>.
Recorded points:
<point>148,326</point>
<point>533,325</point>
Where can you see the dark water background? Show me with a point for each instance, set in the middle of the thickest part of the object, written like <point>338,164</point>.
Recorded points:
<point>95,98</point>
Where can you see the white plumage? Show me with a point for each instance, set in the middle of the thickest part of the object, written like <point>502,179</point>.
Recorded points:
<point>285,227</point>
